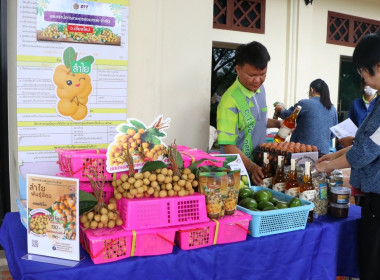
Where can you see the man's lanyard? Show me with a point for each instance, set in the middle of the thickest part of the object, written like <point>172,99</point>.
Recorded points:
<point>249,122</point>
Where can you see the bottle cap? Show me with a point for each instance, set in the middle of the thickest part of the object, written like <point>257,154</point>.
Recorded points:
<point>299,107</point>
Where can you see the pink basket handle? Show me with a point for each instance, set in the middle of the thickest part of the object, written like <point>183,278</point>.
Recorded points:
<point>212,162</point>
<point>240,226</point>
<point>167,240</point>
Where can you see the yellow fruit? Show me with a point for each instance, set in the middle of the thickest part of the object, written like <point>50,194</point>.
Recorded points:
<point>66,107</point>
<point>131,132</point>
<point>81,113</point>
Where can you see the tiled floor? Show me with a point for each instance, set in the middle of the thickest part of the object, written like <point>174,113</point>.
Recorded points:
<point>4,271</point>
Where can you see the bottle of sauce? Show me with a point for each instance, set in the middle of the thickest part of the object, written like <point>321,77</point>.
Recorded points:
<point>307,190</point>
<point>292,188</point>
<point>267,171</point>
<point>279,181</point>
<point>288,124</point>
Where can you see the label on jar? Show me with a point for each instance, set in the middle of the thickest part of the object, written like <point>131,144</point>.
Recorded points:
<point>338,184</point>
<point>323,191</point>
<point>283,132</point>
<point>268,182</point>
<point>293,191</point>
<point>308,195</point>
<point>280,187</point>
<point>342,198</point>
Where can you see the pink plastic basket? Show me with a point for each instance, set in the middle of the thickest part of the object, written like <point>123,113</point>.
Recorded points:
<point>231,229</point>
<point>80,163</point>
<point>62,153</point>
<point>142,213</point>
<point>107,190</point>
<point>108,245</point>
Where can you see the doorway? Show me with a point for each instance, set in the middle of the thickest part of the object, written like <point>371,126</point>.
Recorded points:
<point>349,87</point>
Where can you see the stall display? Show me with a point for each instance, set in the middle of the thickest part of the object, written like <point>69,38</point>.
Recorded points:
<point>153,203</point>
<point>150,197</point>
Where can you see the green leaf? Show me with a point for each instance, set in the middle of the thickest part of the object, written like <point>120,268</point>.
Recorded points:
<point>98,31</point>
<point>178,158</point>
<point>50,210</point>
<point>193,167</point>
<point>137,124</point>
<point>153,165</point>
<point>86,202</point>
<point>155,141</point>
<point>68,56</point>
<point>89,59</point>
<point>155,132</point>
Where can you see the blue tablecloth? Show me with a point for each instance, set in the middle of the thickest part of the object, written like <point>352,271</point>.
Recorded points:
<point>325,249</point>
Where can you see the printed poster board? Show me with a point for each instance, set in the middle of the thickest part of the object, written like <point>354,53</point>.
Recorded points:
<point>53,216</point>
<point>71,79</point>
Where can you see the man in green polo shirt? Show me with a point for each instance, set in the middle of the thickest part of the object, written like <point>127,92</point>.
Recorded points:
<point>242,112</point>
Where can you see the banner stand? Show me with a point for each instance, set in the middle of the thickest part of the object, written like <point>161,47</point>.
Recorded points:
<point>51,260</point>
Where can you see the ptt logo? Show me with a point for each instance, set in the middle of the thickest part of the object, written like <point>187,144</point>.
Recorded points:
<point>77,6</point>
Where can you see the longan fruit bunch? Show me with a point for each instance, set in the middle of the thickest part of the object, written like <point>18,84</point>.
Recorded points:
<point>134,141</point>
<point>158,183</point>
<point>65,206</point>
<point>107,217</point>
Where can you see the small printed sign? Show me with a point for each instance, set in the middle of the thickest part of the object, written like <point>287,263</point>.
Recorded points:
<point>141,142</point>
<point>53,212</point>
<point>301,158</point>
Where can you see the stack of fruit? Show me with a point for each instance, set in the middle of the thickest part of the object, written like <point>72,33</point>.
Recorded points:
<point>263,200</point>
<point>160,182</point>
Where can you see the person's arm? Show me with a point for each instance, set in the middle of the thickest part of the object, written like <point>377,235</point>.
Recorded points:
<point>253,168</point>
<point>272,123</point>
<point>337,163</point>
<point>284,113</point>
<point>332,156</point>
<point>346,141</point>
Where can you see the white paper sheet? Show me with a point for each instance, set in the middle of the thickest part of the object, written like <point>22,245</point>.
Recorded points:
<point>344,129</point>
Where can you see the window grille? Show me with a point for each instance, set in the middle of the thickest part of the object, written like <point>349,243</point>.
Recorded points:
<point>240,15</point>
<point>347,30</point>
